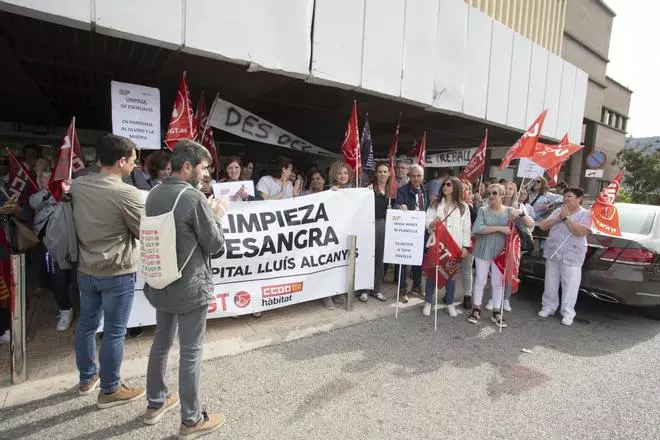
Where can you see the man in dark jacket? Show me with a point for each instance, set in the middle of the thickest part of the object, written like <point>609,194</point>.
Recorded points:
<point>184,303</point>
<point>412,197</point>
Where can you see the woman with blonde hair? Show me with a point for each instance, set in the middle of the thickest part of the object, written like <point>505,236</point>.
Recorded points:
<point>339,176</point>
<point>491,228</point>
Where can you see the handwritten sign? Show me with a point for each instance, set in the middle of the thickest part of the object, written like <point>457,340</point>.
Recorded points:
<point>404,237</point>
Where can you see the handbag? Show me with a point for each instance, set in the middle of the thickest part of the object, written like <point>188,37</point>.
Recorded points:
<point>526,239</point>
<point>25,238</point>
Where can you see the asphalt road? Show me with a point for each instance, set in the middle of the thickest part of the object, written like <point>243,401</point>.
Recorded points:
<point>398,379</point>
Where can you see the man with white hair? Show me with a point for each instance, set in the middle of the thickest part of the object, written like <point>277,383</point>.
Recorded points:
<point>412,197</point>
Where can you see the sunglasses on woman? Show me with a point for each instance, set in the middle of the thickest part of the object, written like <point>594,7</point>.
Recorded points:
<point>447,183</point>
<point>494,193</point>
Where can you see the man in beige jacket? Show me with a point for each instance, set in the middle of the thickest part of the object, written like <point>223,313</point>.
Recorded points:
<point>106,214</point>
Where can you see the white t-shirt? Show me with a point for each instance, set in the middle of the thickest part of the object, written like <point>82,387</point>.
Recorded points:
<point>271,187</point>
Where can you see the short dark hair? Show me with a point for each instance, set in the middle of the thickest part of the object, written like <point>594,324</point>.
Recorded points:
<point>110,148</point>
<point>576,190</point>
<point>561,185</point>
<point>282,162</point>
<point>189,151</point>
<point>157,162</point>
<point>230,160</point>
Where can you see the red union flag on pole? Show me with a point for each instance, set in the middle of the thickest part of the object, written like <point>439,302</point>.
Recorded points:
<point>525,145</point>
<point>21,183</point>
<point>421,152</point>
<point>394,146</point>
<point>69,160</point>
<point>443,256</point>
<point>508,261</point>
<point>475,168</point>
<point>204,133</point>
<point>351,145</point>
<point>181,123</point>
<point>604,213</point>
<point>549,156</point>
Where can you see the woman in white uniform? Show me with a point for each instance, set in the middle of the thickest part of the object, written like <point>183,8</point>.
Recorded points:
<point>564,251</point>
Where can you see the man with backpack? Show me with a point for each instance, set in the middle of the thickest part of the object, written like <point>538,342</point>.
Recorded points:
<point>106,214</point>
<point>179,283</point>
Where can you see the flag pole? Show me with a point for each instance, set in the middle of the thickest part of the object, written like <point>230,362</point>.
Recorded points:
<point>435,325</point>
<point>206,126</point>
<point>398,290</point>
<point>73,139</point>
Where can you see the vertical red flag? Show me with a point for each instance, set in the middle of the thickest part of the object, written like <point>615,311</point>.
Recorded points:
<point>525,145</point>
<point>394,146</point>
<point>553,172</point>
<point>443,256</point>
<point>351,145</point>
<point>421,152</point>
<point>392,190</point>
<point>508,261</point>
<point>69,160</point>
<point>21,182</point>
<point>477,164</point>
<point>604,213</point>
<point>181,123</point>
<point>205,134</point>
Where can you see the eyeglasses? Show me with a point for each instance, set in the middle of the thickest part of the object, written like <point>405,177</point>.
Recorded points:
<point>447,184</point>
<point>494,193</point>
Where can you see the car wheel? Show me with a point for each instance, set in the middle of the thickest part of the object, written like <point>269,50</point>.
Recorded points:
<point>652,312</point>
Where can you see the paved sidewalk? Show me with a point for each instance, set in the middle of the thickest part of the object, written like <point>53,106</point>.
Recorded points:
<point>51,360</point>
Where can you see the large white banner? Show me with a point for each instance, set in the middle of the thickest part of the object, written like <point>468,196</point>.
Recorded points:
<point>283,252</point>
<point>136,114</point>
<point>231,118</point>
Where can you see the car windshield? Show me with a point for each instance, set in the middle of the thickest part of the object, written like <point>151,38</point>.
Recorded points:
<point>634,220</point>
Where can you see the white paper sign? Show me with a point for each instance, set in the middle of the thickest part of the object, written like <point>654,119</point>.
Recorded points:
<point>136,114</point>
<point>229,189</point>
<point>235,120</point>
<point>593,173</point>
<point>404,237</point>
<point>528,169</point>
<point>283,252</point>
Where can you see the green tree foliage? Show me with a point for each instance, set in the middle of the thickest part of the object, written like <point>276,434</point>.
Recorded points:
<point>642,177</point>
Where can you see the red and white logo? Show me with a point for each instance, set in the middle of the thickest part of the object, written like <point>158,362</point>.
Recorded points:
<point>281,289</point>
<point>242,299</point>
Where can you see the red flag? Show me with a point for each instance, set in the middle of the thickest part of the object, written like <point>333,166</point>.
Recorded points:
<point>6,279</point>
<point>443,255</point>
<point>525,145</point>
<point>508,261</point>
<point>394,146</point>
<point>392,190</point>
<point>21,182</point>
<point>421,152</point>
<point>604,213</point>
<point>181,123</point>
<point>549,156</point>
<point>69,160</point>
<point>475,168</point>
<point>205,137</point>
<point>351,145</point>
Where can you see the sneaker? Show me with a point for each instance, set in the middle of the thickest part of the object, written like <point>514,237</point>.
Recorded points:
<point>403,297</point>
<point>451,310</point>
<point>497,319</point>
<point>64,321</point>
<point>507,305</point>
<point>379,296</point>
<point>426,311</point>
<point>208,424</point>
<point>329,303</point>
<point>489,305</point>
<point>467,302</point>
<point>567,321</point>
<point>122,395</point>
<point>474,316</point>
<point>364,297</point>
<point>85,389</point>
<point>544,313</point>
<point>153,415</point>
<point>5,338</point>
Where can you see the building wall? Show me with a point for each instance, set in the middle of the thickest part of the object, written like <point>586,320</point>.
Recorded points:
<point>590,22</point>
<point>578,54</point>
<point>617,97</point>
<point>541,21</point>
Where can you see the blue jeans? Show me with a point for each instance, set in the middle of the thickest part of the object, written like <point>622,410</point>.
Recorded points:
<point>112,299</point>
<point>450,289</point>
<point>416,276</point>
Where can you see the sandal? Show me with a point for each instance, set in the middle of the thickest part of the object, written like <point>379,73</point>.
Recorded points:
<point>474,316</point>
<point>497,319</point>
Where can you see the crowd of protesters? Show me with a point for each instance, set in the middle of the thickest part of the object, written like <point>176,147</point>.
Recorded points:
<point>106,207</point>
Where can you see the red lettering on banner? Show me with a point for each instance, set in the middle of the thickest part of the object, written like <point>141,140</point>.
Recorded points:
<point>281,289</point>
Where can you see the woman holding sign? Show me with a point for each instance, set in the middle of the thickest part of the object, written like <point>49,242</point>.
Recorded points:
<point>450,210</point>
<point>233,173</point>
<point>491,228</point>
